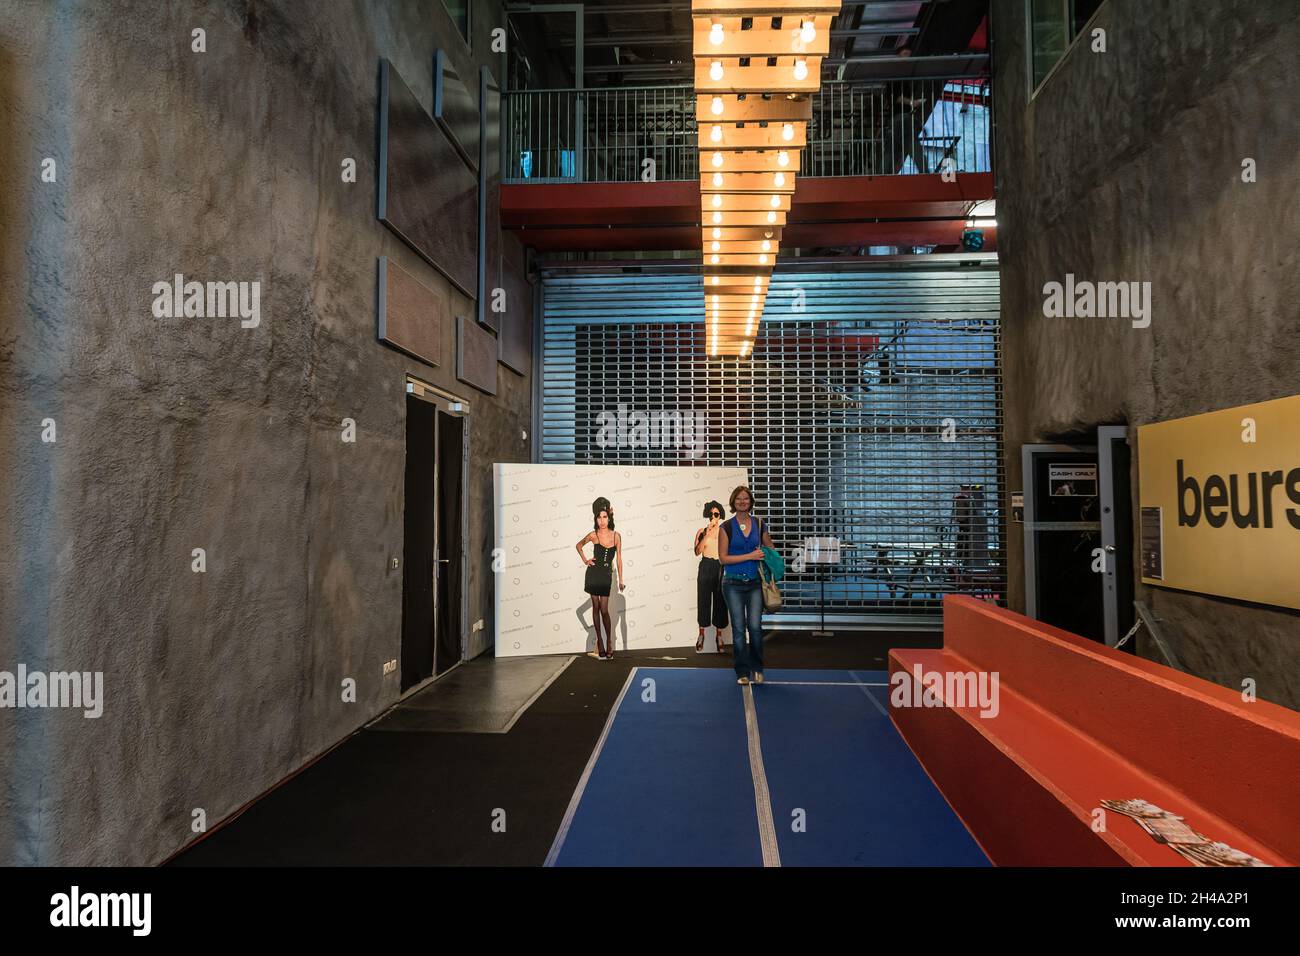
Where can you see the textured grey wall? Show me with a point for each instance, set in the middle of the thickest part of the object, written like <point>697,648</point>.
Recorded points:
<point>1127,166</point>
<point>176,434</point>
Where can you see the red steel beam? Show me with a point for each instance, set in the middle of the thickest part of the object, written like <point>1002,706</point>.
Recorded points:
<point>851,210</point>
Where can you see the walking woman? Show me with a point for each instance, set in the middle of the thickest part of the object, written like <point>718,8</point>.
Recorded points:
<point>741,540</point>
<point>608,546</point>
<point>712,606</point>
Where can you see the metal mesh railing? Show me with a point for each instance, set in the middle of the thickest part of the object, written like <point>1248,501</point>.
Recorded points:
<point>872,411</point>
<point>898,128</point>
<point>633,134</point>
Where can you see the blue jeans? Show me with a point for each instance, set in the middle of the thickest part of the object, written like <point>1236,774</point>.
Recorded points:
<point>745,605</point>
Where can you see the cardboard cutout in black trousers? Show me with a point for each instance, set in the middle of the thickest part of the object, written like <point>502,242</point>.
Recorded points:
<point>712,605</point>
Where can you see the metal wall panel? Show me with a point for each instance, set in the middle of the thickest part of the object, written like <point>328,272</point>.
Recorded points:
<point>871,409</point>
<point>427,196</point>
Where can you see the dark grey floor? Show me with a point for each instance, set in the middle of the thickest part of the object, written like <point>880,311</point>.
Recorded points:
<point>483,696</point>
<point>433,798</point>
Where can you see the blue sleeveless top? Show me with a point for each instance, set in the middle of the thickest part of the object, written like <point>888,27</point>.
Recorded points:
<point>740,543</point>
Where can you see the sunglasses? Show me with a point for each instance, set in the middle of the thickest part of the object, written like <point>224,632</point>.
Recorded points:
<point>715,514</point>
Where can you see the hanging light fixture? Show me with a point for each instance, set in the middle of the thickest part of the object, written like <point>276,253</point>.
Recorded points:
<point>765,112</point>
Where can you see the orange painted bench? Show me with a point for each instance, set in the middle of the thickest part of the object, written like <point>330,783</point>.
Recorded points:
<point>1079,722</point>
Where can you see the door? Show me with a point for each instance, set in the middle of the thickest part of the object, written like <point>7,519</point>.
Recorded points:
<point>1063,538</point>
<point>1114,462</point>
<point>420,542</point>
<point>448,567</point>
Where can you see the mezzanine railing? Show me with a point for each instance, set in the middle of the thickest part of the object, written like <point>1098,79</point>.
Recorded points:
<point>632,134</point>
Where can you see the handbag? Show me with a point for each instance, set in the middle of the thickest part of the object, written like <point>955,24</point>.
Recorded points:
<point>771,593</point>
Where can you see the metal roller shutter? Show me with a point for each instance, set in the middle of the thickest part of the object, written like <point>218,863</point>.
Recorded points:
<point>870,410</point>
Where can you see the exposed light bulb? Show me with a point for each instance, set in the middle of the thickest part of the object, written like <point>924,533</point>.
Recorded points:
<point>800,69</point>
<point>807,33</point>
<point>717,159</point>
<point>771,217</point>
<point>715,70</point>
<point>783,158</point>
<point>717,179</point>
<point>716,106</point>
<point>715,33</point>
<point>716,134</point>
<point>717,233</point>
<point>776,202</point>
<point>717,200</point>
<point>715,260</point>
<point>758,280</point>
<point>779,179</point>
<point>787,132</point>
<point>766,245</point>
<point>717,279</point>
<point>717,246</point>
<point>762,260</point>
<point>717,217</point>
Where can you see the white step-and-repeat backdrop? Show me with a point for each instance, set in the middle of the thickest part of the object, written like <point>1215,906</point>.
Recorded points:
<point>542,511</point>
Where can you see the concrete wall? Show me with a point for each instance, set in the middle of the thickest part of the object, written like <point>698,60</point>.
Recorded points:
<point>1126,165</point>
<point>175,434</point>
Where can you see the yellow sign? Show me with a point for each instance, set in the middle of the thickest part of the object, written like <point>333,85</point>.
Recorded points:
<point>1220,502</point>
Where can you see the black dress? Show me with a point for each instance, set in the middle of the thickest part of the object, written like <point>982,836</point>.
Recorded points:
<point>600,576</point>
